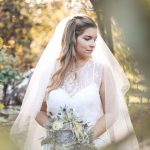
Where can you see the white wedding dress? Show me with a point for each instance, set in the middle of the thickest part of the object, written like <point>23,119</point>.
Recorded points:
<point>82,94</point>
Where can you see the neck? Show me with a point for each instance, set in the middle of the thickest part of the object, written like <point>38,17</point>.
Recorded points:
<point>82,62</point>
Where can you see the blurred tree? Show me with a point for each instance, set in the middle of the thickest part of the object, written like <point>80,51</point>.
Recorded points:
<point>44,18</point>
<point>14,29</point>
<point>103,14</point>
<point>132,47</point>
<point>9,71</point>
<point>26,28</point>
<point>133,17</point>
<point>123,53</point>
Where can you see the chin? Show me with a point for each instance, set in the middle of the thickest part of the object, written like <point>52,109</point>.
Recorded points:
<point>87,57</point>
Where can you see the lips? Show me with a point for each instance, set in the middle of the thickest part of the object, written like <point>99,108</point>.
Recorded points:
<point>89,50</point>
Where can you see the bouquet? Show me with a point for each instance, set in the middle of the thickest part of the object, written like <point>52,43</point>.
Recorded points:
<point>66,131</point>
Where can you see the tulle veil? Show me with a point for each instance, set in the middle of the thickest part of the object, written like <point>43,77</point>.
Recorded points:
<point>27,133</point>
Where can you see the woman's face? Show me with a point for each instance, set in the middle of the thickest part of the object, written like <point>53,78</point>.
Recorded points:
<point>85,43</point>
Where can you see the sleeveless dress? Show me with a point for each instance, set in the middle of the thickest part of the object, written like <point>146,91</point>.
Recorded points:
<point>81,94</point>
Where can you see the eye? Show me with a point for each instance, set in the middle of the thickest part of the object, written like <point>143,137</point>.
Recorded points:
<point>87,39</point>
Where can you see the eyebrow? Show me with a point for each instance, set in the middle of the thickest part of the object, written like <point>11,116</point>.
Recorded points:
<point>90,36</point>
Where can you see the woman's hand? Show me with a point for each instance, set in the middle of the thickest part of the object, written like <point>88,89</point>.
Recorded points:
<point>99,128</point>
<point>42,117</point>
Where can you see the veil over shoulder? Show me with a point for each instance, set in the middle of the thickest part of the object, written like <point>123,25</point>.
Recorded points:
<point>27,133</point>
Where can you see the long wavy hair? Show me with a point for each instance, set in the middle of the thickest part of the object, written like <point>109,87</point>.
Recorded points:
<point>68,57</point>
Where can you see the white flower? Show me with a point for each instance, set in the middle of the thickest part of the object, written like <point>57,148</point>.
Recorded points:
<point>57,125</point>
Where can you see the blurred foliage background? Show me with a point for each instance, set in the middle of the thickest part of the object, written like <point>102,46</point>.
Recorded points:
<point>27,25</point>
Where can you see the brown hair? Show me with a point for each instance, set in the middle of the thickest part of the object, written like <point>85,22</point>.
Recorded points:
<point>68,58</point>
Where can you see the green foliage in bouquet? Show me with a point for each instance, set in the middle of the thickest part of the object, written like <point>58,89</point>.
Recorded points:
<point>66,131</point>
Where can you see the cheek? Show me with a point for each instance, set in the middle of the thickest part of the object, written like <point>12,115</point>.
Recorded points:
<point>82,44</point>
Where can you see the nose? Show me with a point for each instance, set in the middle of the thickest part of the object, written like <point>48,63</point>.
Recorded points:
<point>92,43</point>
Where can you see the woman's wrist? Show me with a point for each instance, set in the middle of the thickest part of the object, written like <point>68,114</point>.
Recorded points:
<point>92,134</point>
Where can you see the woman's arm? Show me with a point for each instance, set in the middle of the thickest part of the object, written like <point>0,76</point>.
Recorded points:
<point>109,100</point>
<point>42,117</point>
<point>100,127</point>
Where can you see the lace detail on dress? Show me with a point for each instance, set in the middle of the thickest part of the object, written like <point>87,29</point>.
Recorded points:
<point>71,85</point>
<point>78,80</point>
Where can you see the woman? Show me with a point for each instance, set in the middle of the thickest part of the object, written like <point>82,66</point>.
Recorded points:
<point>78,70</point>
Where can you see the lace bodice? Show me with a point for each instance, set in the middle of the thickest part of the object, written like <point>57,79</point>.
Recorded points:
<point>80,93</point>
<point>78,80</point>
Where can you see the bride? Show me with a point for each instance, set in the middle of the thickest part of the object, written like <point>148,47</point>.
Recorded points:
<point>76,70</point>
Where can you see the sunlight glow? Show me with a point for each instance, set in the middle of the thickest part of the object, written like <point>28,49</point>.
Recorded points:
<point>39,1</point>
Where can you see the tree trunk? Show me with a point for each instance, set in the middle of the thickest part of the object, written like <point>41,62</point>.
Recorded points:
<point>104,20</point>
<point>4,93</point>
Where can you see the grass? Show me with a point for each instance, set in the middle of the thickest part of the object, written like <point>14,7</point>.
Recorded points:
<point>140,117</point>
<point>5,142</point>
